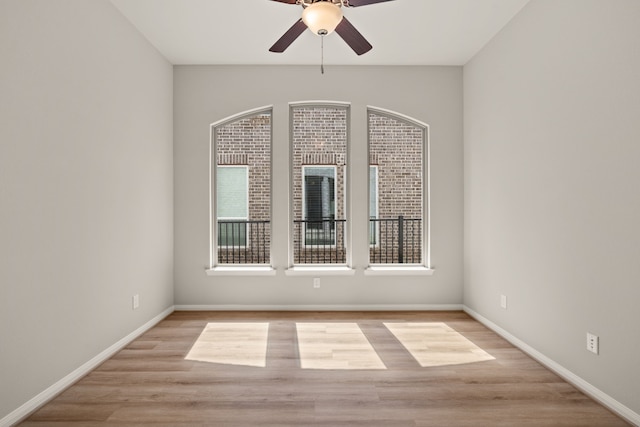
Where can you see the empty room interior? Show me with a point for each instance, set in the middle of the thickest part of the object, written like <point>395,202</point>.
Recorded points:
<point>427,216</point>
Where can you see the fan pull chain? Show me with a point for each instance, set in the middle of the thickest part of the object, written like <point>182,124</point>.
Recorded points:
<point>322,54</point>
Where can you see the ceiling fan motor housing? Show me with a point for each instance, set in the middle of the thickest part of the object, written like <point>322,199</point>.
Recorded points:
<point>322,17</point>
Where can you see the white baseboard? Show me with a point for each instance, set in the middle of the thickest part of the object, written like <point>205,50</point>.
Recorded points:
<point>570,377</point>
<point>30,406</point>
<point>330,307</point>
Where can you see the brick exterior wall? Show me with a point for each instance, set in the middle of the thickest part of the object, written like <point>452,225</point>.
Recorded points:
<point>396,148</point>
<point>248,142</point>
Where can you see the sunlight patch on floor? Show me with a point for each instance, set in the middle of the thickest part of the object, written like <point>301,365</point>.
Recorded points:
<point>436,344</point>
<point>335,346</point>
<point>242,344</point>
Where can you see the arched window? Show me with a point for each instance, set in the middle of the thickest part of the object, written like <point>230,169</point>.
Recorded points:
<point>398,189</point>
<point>241,189</point>
<point>318,183</point>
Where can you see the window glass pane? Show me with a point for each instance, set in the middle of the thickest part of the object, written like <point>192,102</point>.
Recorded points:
<point>373,191</point>
<point>232,192</point>
<point>319,148</point>
<point>398,148</point>
<point>319,189</point>
<point>373,204</point>
<point>320,205</point>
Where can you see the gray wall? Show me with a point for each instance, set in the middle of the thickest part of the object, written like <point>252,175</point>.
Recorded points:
<point>206,94</point>
<point>85,188</point>
<point>551,110</point>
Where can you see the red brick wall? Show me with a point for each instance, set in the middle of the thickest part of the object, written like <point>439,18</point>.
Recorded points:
<point>398,148</point>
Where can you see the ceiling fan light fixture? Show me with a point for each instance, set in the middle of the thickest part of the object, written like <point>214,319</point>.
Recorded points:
<point>322,17</point>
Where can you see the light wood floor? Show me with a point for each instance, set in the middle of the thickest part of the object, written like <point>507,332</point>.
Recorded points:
<point>420,369</point>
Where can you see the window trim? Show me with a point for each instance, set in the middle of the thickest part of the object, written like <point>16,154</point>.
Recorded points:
<point>214,267</point>
<point>424,267</point>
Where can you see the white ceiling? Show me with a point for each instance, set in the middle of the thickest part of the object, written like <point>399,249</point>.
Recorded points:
<point>402,32</point>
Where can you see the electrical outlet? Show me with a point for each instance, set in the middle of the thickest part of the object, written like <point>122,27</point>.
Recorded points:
<point>316,282</point>
<point>503,301</point>
<point>136,301</point>
<point>593,343</point>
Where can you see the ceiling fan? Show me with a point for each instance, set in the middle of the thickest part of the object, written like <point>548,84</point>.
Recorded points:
<point>322,17</point>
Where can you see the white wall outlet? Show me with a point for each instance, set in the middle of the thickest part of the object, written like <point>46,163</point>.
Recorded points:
<point>316,282</point>
<point>593,343</point>
<point>136,301</point>
<point>503,301</point>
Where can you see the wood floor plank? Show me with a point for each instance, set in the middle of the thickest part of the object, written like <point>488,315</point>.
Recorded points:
<point>152,381</point>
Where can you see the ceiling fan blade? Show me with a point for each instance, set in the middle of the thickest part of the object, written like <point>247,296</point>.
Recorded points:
<point>289,37</point>
<point>353,37</point>
<point>286,1</point>
<point>356,3</point>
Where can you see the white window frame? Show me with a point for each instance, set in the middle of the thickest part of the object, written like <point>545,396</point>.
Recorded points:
<point>424,267</point>
<point>304,203</point>
<point>215,268</point>
<point>328,269</point>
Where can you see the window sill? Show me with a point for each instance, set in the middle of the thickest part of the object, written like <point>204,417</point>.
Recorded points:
<point>319,271</point>
<point>385,270</point>
<point>242,270</point>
